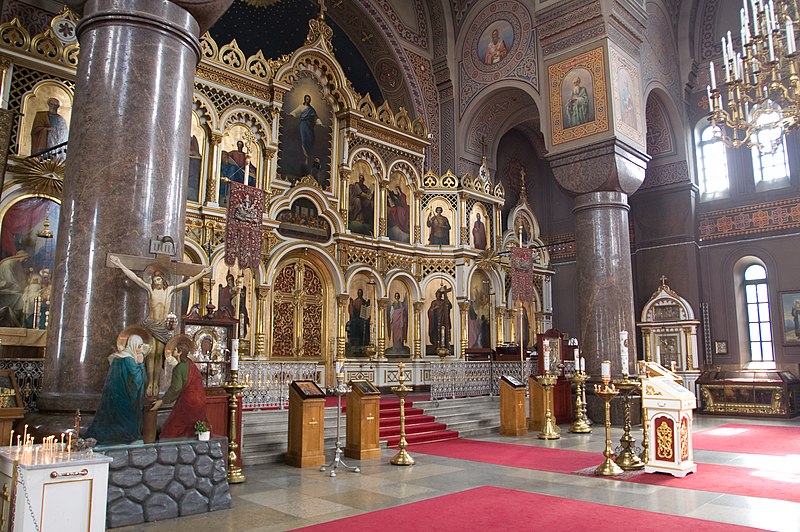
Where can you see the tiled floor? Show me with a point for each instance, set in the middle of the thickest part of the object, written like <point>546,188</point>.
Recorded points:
<point>277,497</point>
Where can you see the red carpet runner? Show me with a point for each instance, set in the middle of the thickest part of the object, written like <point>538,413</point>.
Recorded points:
<point>492,508</point>
<point>750,439</point>
<point>709,477</point>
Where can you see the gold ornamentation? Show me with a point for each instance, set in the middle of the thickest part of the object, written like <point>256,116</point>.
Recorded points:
<point>44,177</point>
<point>664,440</point>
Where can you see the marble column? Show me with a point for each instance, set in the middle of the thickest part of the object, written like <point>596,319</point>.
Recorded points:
<point>125,179</point>
<point>600,177</point>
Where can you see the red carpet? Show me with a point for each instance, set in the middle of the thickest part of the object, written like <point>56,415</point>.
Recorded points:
<point>709,477</point>
<point>492,508</point>
<point>510,454</point>
<point>750,439</point>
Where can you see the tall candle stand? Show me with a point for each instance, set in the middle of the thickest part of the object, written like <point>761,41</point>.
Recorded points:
<point>233,388</point>
<point>402,457</point>
<point>608,468</point>
<point>627,458</point>
<point>550,430</point>
<point>643,456</point>
<point>579,425</point>
<point>339,390</point>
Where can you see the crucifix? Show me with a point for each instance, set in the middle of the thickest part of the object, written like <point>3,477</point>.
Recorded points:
<point>322,9</point>
<point>155,279</point>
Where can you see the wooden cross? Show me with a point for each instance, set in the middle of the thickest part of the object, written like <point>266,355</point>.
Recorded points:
<point>322,8</point>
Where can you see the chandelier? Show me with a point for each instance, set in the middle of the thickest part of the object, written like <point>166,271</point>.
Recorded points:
<point>759,99</point>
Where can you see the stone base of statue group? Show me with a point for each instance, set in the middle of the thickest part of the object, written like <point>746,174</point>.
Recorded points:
<point>163,480</point>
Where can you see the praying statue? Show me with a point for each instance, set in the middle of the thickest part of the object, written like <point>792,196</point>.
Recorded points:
<point>120,416</point>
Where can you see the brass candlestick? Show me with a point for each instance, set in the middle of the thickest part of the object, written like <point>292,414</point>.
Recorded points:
<point>402,457</point>
<point>608,468</point>
<point>627,458</point>
<point>234,388</point>
<point>579,425</point>
<point>550,430</point>
<point>643,455</point>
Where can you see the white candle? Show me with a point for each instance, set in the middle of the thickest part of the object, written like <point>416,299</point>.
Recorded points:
<point>583,364</point>
<point>790,43</point>
<point>235,354</point>
<point>712,74</point>
<point>623,348</point>
<point>577,359</point>
<point>771,47</point>
<point>658,354</point>
<point>605,370</point>
<point>547,359</point>
<point>710,100</point>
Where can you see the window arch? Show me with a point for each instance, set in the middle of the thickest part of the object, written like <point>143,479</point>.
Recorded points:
<point>759,326</point>
<point>712,164</point>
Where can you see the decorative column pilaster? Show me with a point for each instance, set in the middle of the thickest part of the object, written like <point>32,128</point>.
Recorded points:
<point>212,183</point>
<point>341,320</point>
<point>262,323</point>
<point>381,328</point>
<point>418,306</point>
<point>463,307</point>
<point>499,316</point>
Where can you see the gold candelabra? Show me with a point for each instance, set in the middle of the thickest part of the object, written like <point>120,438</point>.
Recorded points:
<point>761,81</point>
<point>550,430</point>
<point>627,458</point>
<point>233,387</point>
<point>642,376</point>
<point>608,468</point>
<point>402,457</point>
<point>579,426</point>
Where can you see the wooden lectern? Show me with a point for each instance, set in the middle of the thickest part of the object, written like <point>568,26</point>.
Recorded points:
<point>537,404</point>
<point>363,421</point>
<point>306,425</point>
<point>512,407</point>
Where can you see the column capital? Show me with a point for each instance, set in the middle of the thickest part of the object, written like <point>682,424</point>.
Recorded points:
<point>611,165</point>
<point>205,12</point>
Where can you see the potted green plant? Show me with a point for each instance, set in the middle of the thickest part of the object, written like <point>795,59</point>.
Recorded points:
<point>203,430</point>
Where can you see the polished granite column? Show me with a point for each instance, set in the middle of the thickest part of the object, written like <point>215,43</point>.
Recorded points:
<point>125,179</point>
<point>600,177</point>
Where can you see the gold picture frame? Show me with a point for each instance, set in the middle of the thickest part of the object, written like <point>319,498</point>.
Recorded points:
<point>578,83</point>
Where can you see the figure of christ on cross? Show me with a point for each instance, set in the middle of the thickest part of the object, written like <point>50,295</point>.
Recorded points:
<point>160,295</point>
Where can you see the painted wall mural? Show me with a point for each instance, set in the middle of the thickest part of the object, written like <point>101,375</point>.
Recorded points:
<point>627,96</point>
<point>578,97</point>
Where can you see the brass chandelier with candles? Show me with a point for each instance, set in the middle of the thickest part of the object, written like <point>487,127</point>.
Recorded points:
<point>758,97</point>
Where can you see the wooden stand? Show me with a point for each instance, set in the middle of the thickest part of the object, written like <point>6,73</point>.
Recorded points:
<point>536,404</point>
<point>363,421</point>
<point>306,425</point>
<point>512,407</point>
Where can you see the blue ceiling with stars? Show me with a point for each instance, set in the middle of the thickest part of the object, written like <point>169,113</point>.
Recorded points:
<point>282,28</point>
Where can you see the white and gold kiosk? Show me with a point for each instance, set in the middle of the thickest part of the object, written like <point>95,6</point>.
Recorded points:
<point>668,413</point>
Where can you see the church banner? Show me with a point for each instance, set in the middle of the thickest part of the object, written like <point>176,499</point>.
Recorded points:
<point>244,235</point>
<point>521,274</point>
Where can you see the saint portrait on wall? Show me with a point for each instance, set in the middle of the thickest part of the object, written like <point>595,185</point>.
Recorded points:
<point>577,97</point>
<point>478,316</point>
<point>197,145</point>
<point>234,164</point>
<point>305,134</point>
<point>27,261</point>
<point>438,226</point>
<point>398,212</point>
<point>397,341</point>
<point>361,200</point>
<point>359,312</point>
<point>627,99</point>
<point>439,315</point>
<point>477,227</point>
<point>45,121</point>
<point>495,42</point>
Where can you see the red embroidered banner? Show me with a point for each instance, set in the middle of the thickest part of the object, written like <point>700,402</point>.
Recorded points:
<point>521,274</point>
<point>244,235</point>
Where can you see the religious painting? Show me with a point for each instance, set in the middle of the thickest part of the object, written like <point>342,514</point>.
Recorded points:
<point>197,146</point>
<point>439,316</point>
<point>790,317</point>
<point>578,97</point>
<point>668,351</point>
<point>627,97</point>
<point>239,152</point>
<point>359,317</point>
<point>477,225</point>
<point>495,42</point>
<point>304,222</point>
<point>46,115</point>
<point>305,134</point>
<point>397,330</point>
<point>527,325</point>
<point>522,228</point>
<point>361,200</point>
<point>27,251</point>
<point>439,230</point>
<point>479,316</point>
<point>398,212</point>
<point>233,294</point>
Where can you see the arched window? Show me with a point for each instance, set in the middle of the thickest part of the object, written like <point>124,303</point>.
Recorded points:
<point>759,328</point>
<point>770,164</point>
<point>712,164</point>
